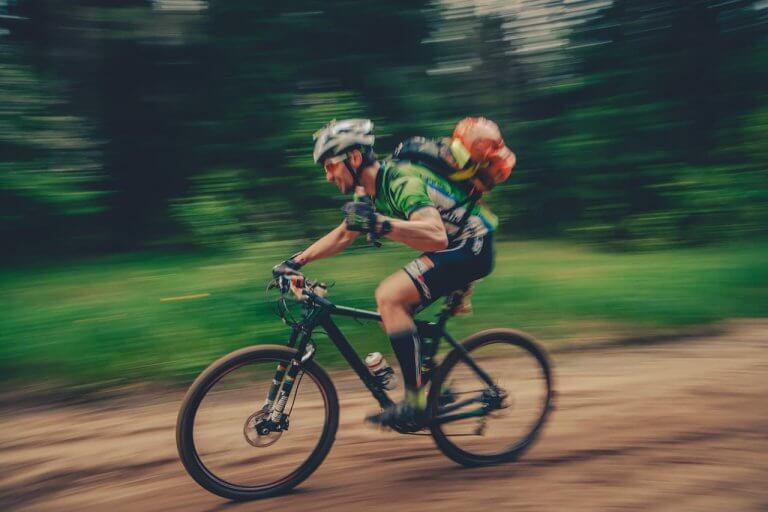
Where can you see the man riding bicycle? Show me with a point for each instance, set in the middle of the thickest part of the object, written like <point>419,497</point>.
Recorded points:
<point>421,208</point>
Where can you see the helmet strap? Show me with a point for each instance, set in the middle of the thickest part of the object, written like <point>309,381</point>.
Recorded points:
<point>355,174</point>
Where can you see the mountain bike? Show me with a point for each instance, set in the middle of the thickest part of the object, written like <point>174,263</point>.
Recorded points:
<point>260,420</point>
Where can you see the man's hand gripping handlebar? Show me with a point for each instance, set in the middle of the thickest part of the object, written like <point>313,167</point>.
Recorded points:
<point>297,284</point>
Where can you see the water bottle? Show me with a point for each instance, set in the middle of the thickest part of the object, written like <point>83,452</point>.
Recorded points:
<point>381,371</point>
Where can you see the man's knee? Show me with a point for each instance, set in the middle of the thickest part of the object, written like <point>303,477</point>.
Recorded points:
<point>385,296</point>
<point>397,293</point>
<point>389,297</point>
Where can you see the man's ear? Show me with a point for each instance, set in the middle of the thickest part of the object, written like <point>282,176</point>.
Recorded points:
<point>356,158</point>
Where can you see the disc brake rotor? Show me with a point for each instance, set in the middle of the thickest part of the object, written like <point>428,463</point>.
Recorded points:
<point>253,437</point>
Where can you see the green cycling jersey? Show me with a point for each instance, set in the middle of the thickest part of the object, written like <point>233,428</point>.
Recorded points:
<point>403,187</point>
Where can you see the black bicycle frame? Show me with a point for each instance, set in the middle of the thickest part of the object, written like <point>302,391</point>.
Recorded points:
<point>321,315</point>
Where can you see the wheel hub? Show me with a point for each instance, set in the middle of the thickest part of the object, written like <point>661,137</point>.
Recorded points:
<point>494,398</point>
<point>259,431</point>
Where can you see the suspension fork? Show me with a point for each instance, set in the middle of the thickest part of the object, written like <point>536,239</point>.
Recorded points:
<point>279,373</point>
<point>300,335</point>
<point>285,392</point>
<point>278,395</point>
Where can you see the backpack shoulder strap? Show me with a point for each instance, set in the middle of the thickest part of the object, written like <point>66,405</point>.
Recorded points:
<point>473,198</point>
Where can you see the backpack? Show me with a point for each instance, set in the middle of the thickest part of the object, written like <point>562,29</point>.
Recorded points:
<point>435,155</point>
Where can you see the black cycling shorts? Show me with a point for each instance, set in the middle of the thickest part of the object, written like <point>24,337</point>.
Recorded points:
<point>438,273</point>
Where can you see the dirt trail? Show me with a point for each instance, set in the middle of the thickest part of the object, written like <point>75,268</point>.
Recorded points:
<point>667,427</point>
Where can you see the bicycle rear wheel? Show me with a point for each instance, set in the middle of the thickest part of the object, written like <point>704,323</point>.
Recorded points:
<point>216,429</point>
<point>510,414</point>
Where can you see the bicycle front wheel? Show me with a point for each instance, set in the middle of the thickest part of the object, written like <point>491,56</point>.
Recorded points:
<point>218,435</point>
<point>491,424</point>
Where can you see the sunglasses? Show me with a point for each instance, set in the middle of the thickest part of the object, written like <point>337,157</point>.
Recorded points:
<point>334,160</point>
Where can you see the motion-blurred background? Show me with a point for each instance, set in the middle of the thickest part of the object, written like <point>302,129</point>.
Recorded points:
<point>155,162</point>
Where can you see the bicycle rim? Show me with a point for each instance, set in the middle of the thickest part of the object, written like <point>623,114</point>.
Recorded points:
<point>223,424</point>
<point>521,374</point>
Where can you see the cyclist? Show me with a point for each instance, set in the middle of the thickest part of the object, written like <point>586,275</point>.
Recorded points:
<point>422,209</point>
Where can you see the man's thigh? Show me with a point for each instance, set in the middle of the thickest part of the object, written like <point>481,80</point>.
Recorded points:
<point>398,288</point>
<point>438,273</point>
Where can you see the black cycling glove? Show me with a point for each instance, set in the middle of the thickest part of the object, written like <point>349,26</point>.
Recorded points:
<point>287,268</point>
<point>361,216</point>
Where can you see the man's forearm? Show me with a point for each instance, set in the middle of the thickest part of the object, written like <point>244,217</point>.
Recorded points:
<point>332,243</point>
<point>422,235</point>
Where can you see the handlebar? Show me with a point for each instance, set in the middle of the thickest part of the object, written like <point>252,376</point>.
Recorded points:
<point>301,287</point>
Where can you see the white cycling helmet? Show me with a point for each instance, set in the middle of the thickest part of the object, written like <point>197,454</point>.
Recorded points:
<point>339,136</point>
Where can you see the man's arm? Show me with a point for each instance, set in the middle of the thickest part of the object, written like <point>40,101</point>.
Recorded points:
<point>424,230</point>
<point>332,243</point>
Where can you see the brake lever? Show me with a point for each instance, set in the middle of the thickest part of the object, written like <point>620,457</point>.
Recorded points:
<point>283,283</point>
<point>373,239</point>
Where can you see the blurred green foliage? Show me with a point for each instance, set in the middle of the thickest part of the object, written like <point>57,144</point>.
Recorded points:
<point>138,124</point>
<point>128,318</point>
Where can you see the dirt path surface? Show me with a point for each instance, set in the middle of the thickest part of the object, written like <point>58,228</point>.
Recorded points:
<point>667,427</point>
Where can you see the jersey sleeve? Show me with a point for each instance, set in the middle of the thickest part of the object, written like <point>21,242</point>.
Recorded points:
<point>409,193</point>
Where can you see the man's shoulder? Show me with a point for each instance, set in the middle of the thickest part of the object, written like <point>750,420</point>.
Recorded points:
<point>405,169</point>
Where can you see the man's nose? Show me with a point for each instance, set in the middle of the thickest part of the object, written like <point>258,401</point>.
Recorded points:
<point>328,176</point>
